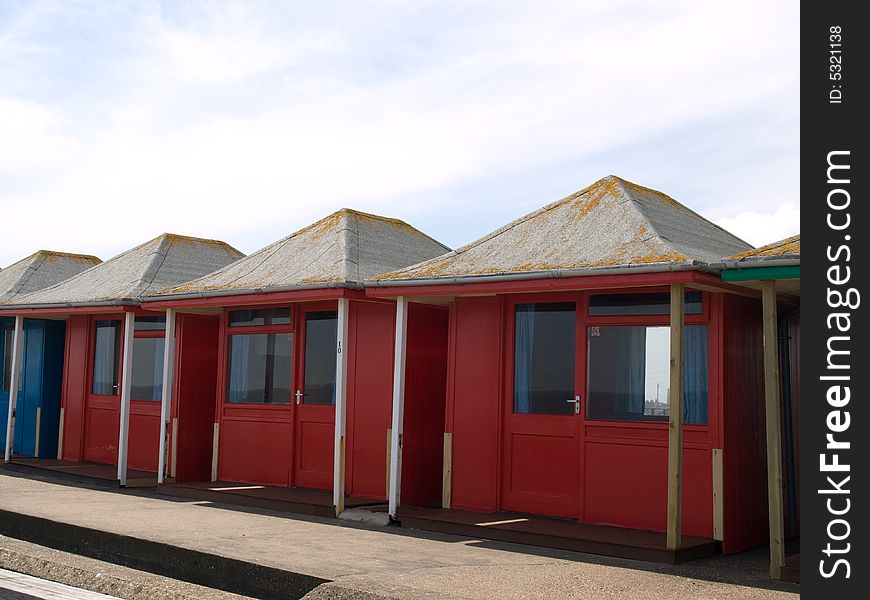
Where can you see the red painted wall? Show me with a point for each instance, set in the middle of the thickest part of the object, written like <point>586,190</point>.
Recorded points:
<point>744,459</point>
<point>74,386</point>
<point>425,393</point>
<point>473,401</point>
<point>371,337</point>
<point>195,383</point>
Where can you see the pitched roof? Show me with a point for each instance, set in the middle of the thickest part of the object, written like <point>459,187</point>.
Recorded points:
<point>789,248</point>
<point>165,261</point>
<point>613,223</point>
<point>39,270</point>
<point>342,249</point>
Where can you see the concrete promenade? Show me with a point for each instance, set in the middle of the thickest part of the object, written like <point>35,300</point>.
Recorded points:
<point>377,562</point>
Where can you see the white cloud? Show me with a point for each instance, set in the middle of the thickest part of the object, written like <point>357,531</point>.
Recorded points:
<point>760,228</point>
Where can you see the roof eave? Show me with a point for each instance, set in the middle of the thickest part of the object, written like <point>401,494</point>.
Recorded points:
<point>218,293</point>
<point>550,274</point>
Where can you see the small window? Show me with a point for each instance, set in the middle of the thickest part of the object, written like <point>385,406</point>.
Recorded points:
<point>147,381</point>
<point>7,337</point>
<point>260,316</point>
<point>657,303</point>
<point>260,368</point>
<point>629,373</point>
<point>544,358</point>
<point>150,324</point>
<point>321,334</point>
<point>107,343</point>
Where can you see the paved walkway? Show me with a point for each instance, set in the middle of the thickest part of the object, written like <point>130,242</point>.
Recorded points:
<point>15,586</point>
<point>388,561</point>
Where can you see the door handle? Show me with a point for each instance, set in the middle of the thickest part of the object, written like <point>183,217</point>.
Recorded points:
<point>299,396</point>
<point>576,402</point>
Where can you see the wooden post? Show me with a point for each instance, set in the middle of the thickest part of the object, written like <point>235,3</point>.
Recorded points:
<point>675,420</point>
<point>447,471</point>
<point>718,495</point>
<point>389,444</point>
<point>60,436</point>
<point>173,448</point>
<point>772,420</point>
<point>38,426</point>
<point>166,397</point>
<point>340,407</point>
<point>126,385</point>
<point>398,404</point>
<point>14,384</point>
<point>215,441</point>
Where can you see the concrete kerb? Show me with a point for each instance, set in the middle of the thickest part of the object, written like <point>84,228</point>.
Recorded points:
<point>231,575</point>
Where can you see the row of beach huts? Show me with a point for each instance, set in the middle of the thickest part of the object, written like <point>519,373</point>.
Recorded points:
<point>611,373</point>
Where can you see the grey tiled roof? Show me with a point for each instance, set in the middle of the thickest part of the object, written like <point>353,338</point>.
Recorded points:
<point>613,223</point>
<point>40,270</point>
<point>342,249</point>
<point>165,261</point>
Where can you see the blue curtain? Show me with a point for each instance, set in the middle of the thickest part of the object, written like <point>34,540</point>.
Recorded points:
<point>240,350</point>
<point>525,335</point>
<point>104,360</point>
<point>695,352</point>
<point>158,368</point>
<point>634,399</point>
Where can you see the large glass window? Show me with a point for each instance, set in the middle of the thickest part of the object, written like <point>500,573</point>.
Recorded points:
<point>7,335</point>
<point>260,368</point>
<point>321,334</point>
<point>107,343</point>
<point>654,303</point>
<point>629,373</point>
<point>147,381</point>
<point>544,358</point>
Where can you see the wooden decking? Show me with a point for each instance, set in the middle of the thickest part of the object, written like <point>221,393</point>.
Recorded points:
<point>303,501</point>
<point>88,472</point>
<point>563,534</point>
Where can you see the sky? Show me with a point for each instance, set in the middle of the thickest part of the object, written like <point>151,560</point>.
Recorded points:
<point>245,121</point>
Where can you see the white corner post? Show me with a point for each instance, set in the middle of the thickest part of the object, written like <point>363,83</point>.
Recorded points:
<point>166,397</point>
<point>398,404</point>
<point>773,427</point>
<point>675,420</point>
<point>340,407</point>
<point>14,384</point>
<point>126,385</point>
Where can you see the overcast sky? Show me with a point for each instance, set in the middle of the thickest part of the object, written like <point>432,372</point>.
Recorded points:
<point>246,121</point>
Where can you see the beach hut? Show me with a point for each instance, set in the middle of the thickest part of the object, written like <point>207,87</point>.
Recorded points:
<point>38,393</point>
<point>113,352</point>
<point>304,361</point>
<point>604,390</point>
<point>774,269</point>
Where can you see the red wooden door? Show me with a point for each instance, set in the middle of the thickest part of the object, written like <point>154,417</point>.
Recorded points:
<point>103,399</point>
<point>542,424</point>
<point>315,397</point>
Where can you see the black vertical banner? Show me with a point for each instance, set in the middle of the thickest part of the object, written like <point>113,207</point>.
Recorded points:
<point>834,415</point>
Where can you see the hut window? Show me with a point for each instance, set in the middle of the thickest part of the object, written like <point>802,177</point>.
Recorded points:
<point>260,367</point>
<point>107,343</point>
<point>321,333</point>
<point>7,335</point>
<point>544,343</point>
<point>148,344</point>
<point>629,373</point>
<point>259,317</point>
<point>654,303</point>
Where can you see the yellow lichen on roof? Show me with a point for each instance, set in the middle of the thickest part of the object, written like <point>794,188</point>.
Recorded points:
<point>790,245</point>
<point>54,255</point>
<point>173,238</point>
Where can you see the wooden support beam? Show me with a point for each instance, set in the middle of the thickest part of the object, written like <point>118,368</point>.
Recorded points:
<point>398,404</point>
<point>718,498</point>
<point>389,454</point>
<point>447,477</point>
<point>173,448</point>
<point>166,397</point>
<point>60,435</point>
<point>38,427</point>
<point>675,420</point>
<point>14,384</point>
<point>214,451</point>
<point>126,386</point>
<point>340,407</point>
<point>772,421</point>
